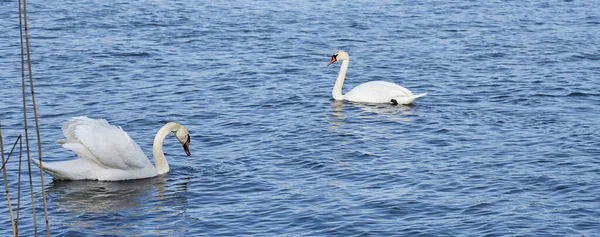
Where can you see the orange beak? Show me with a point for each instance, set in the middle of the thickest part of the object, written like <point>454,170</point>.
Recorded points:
<point>186,147</point>
<point>333,59</point>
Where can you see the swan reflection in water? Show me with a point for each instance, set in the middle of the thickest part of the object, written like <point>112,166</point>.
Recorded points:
<point>114,208</point>
<point>338,117</point>
<point>397,113</point>
<point>98,196</point>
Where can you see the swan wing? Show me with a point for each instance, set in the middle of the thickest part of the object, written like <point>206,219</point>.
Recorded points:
<point>100,142</point>
<point>377,92</point>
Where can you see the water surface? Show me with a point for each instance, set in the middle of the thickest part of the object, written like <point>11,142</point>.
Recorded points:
<point>505,143</point>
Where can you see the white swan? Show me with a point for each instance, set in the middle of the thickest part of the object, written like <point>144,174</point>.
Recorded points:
<point>370,92</point>
<point>107,153</point>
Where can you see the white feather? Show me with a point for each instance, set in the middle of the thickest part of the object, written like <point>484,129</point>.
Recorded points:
<point>370,92</point>
<point>105,152</point>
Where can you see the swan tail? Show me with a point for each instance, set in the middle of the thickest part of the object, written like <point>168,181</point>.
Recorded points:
<point>405,100</point>
<point>49,169</point>
<point>69,170</point>
<point>420,95</point>
<point>36,162</point>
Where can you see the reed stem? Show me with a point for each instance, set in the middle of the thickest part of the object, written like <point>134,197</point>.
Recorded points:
<point>35,115</point>
<point>11,151</point>
<point>12,219</point>
<point>19,184</point>
<point>25,120</point>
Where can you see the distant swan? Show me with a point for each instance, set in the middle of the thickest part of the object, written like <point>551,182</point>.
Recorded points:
<point>107,153</point>
<point>370,92</point>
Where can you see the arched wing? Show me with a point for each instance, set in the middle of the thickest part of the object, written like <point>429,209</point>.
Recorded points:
<point>103,143</point>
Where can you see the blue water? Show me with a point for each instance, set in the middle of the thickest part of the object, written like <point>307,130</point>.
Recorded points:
<point>506,143</point>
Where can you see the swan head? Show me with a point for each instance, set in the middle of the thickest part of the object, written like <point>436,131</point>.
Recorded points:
<point>338,56</point>
<point>183,136</point>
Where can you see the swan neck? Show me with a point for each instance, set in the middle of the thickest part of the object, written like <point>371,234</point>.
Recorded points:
<point>162,166</point>
<point>337,88</point>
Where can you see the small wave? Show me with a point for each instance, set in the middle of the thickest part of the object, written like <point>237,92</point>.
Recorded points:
<point>587,56</point>
<point>131,54</point>
<point>352,40</point>
<point>572,94</point>
<point>575,94</point>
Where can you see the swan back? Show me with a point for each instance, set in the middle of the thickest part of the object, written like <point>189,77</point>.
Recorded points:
<point>377,92</point>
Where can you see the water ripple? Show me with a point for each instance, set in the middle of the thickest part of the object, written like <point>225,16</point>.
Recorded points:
<point>505,143</point>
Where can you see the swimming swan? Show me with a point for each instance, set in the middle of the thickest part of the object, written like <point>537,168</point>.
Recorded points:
<point>370,92</point>
<point>107,153</point>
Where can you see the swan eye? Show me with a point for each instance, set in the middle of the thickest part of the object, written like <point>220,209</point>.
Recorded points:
<point>335,56</point>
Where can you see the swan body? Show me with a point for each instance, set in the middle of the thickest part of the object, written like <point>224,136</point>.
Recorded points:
<point>107,153</point>
<point>370,92</point>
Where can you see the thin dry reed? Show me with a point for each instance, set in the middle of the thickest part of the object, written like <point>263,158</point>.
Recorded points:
<point>25,119</point>
<point>12,219</point>
<point>20,138</point>
<point>25,51</point>
<point>14,222</point>
<point>35,115</point>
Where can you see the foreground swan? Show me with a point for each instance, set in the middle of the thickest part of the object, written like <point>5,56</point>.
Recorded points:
<point>107,153</point>
<point>370,92</point>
